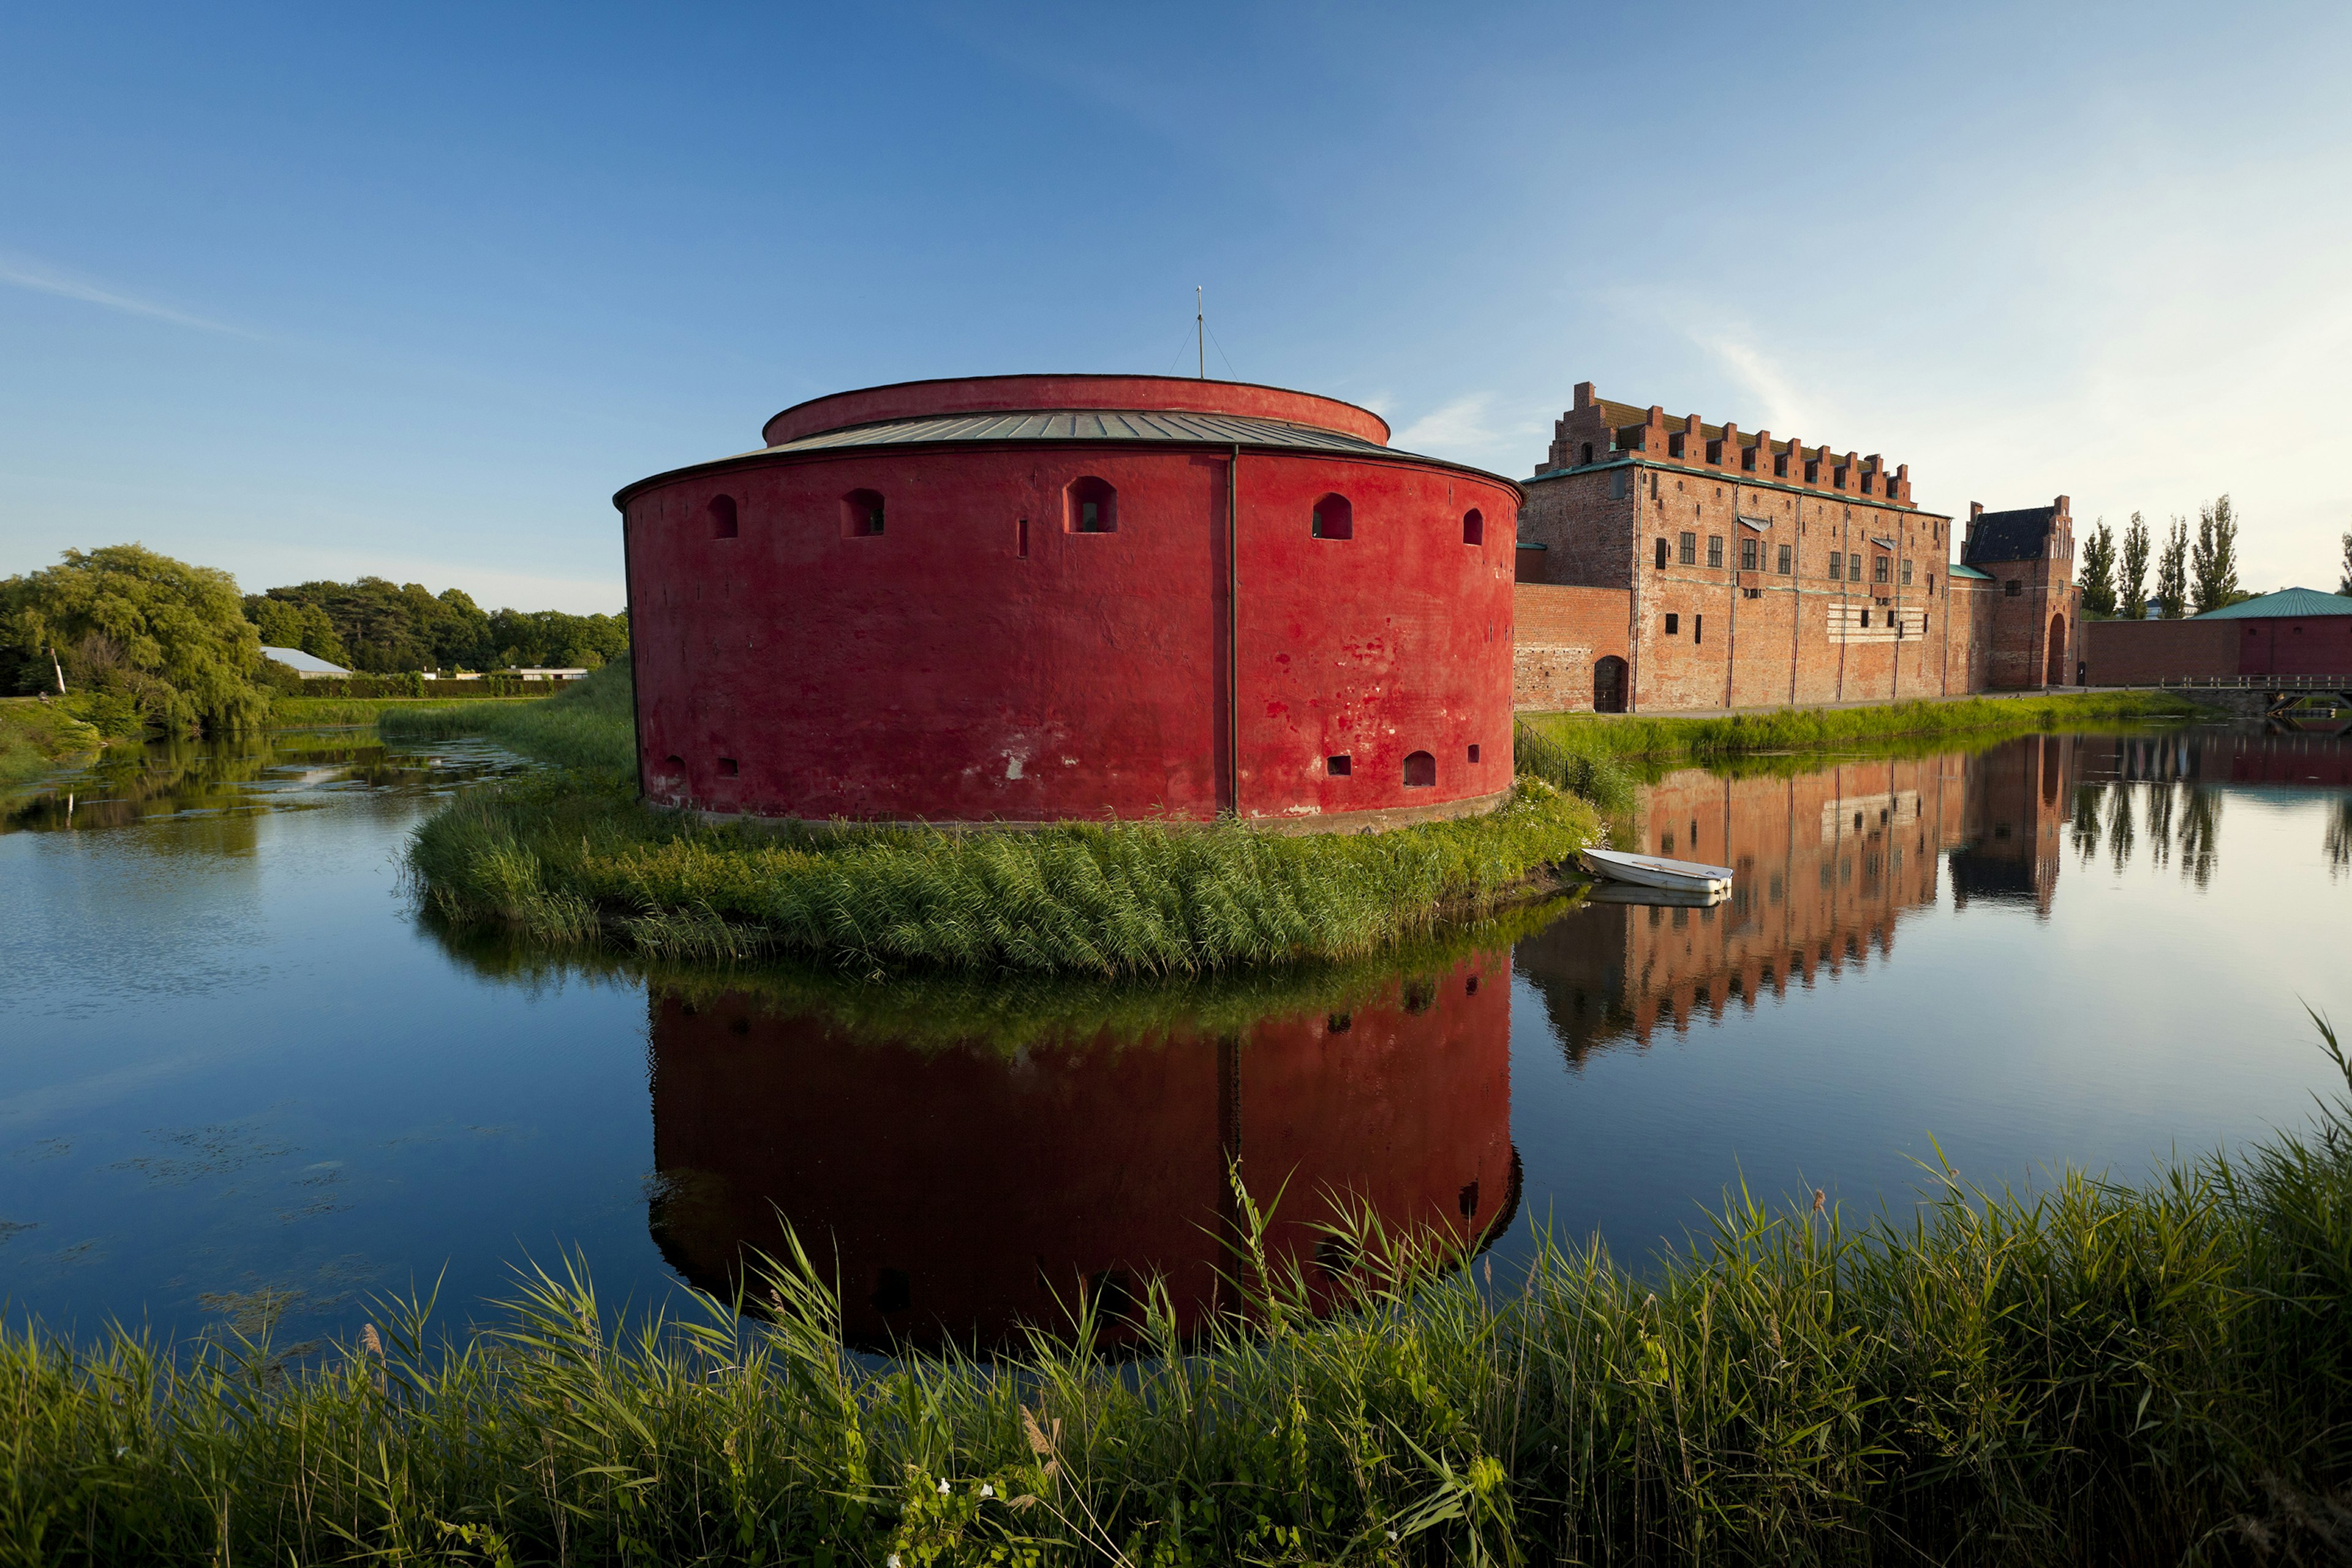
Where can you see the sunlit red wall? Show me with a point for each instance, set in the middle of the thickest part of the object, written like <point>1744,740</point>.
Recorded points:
<point>936,672</point>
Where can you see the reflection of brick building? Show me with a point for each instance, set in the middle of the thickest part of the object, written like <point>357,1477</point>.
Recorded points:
<point>1674,565</point>
<point>964,1192</point>
<point>1826,864</point>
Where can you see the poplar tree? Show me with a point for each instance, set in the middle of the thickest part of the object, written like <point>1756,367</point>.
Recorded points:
<point>2345,587</point>
<point>2131,588</point>
<point>2099,571</point>
<point>2214,561</point>
<point>2172,571</point>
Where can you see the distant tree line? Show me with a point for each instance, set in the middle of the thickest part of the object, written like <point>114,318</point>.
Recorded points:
<point>129,638</point>
<point>379,628</point>
<point>2193,575</point>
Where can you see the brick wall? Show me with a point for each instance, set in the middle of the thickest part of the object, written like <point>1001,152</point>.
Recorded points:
<point>2142,653</point>
<point>1559,634</point>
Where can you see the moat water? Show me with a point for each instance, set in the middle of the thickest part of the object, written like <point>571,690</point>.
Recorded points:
<point>241,1080</point>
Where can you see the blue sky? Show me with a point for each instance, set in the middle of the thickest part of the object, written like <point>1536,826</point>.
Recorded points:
<point>317,292</point>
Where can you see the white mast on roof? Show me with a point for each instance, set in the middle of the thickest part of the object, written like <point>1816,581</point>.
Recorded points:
<point>1200,331</point>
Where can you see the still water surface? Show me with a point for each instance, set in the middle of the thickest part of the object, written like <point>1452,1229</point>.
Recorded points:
<point>239,1078</point>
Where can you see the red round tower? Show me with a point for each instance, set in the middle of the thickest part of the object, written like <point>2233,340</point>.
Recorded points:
<point>1041,597</point>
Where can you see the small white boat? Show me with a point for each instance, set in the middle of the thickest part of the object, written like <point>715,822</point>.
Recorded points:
<point>1651,871</point>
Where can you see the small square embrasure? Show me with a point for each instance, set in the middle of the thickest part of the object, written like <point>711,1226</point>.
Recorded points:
<point>1338,767</point>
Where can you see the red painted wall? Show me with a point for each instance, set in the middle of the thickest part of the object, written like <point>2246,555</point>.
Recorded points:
<point>935,672</point>
<point>988,1182</point>
<point>2295,645</point>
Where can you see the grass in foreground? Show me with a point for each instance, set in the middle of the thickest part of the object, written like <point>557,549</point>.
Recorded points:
<point>2090,1373</point>
<point>1671,739</point>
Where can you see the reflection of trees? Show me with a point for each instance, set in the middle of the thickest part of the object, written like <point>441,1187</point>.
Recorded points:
<point>2159,825</point>
<point>2339,837</point>
<point>2121,835</point>
<point>2200,832</point>
<point>2087,821</point>
<point>213,783</point>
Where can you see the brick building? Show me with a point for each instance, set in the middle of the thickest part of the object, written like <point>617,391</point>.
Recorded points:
<point>2295,631</point>
<point>1828,865</point>
<point>1669,564</point>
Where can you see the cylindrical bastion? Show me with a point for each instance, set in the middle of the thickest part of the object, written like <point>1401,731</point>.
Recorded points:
<point>1035,598</point>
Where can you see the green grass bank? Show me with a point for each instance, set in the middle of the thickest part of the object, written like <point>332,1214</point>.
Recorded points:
<point>572,859</point>
<point>287,712</point>
<point>37,737</point>
<point>2086,1373</point>
<point>1674,741</point>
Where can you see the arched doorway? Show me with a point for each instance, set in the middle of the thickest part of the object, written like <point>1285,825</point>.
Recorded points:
<point>2056,674</point>
<point>1609,685</point>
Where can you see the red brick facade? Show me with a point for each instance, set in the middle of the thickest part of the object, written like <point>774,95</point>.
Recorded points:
<point>2146,653</point>
<point>1717,550</point>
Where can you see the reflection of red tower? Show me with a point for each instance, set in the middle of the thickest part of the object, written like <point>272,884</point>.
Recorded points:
<point>2020,795</point>
<point>963,1193</point>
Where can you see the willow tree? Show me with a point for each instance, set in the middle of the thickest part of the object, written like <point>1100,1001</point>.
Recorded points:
<point>123,620</point>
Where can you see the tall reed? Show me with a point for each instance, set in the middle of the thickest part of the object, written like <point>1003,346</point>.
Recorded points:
<point>2087,1373</point>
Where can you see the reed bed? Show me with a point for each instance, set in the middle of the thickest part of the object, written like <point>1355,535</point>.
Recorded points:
<point>572,860</point>
<point>1685,741</point>
<point>588,724</point>
<point>2088,1372</point>
<point>307,713</point>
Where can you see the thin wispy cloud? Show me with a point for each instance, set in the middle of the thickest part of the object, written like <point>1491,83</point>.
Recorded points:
<point>19,273</point>
<point>1457,425</point>
<point>1781,406</point>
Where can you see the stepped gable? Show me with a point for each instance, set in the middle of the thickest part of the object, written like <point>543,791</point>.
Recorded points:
<point>1600,431</point>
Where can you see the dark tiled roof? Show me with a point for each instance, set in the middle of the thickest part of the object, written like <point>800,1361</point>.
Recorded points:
<point>2298,601</point>
<point>2021,535</point>
<point>1094,425</point>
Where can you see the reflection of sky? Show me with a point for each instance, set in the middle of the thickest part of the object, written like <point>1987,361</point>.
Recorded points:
<point>2156,1009</point>
<point>229,1061</point>
<point>224,1070</point>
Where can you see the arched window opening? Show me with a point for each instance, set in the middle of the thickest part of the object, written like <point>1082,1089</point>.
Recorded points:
<point>861,514</point>
<point>1609,685</point>
<point>1091,507</point>
<point>2057,672</point>
<point>1420,771</point>
<point>1473,527</point>
<point>1588,452</point>
<point>1334,517</point>
<point>674,767</point>
<point>721,512</point>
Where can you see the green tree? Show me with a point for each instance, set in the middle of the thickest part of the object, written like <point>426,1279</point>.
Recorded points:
<point>2172,571</point>
<point>283,623</point>
<point>2131,583</point>
<point>2213,563</point>
<point>124,620</point>
<point>2099,571</point>
<point>2344,585</point>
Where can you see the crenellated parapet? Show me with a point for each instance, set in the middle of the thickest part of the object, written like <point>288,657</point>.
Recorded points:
<point>1598,431</point>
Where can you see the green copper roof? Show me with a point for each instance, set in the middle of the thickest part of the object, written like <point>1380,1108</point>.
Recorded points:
<point>2286,601</point>
<point>1962,569</point>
